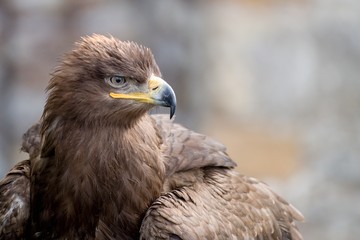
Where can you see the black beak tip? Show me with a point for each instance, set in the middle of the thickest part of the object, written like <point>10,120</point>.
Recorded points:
<point>170,100</point>
<point>172,110</point>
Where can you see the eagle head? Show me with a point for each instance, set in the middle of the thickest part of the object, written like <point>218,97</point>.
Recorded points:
<point>108,80</point>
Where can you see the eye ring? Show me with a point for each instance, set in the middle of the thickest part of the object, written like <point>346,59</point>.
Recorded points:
<point>117,81</point>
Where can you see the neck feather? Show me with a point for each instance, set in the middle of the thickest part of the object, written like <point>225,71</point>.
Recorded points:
<point>106,174</point>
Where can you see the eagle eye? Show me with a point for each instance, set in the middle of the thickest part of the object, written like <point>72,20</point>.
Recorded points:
<point>117,81</point>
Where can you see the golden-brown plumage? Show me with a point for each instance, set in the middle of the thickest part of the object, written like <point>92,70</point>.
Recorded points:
<point>105,169</point>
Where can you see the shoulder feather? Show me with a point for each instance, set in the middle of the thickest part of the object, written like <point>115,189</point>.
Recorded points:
<point>185,149</point>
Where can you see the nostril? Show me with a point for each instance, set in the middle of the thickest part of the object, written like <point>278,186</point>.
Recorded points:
<point>155,88</point>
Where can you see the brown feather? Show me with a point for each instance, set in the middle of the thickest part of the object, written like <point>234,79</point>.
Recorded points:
<point>185,149</point>
<point>221,204</point>
<point>15,202</point>
<point>105,169</point>
<point>31,141</point>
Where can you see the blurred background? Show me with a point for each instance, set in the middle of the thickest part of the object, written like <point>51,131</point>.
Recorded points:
<point>276,81</point>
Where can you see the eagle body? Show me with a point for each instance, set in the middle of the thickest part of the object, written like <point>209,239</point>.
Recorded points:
<point>101,167</point>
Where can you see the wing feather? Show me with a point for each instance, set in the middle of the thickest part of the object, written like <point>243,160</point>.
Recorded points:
<point>15,190</point>
<point>224,205</point>
<point>15,202</point>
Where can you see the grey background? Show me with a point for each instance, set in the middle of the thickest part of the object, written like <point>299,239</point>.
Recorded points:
<point>276,81</point>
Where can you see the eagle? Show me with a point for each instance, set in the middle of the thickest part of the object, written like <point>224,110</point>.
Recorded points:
<point>102,167</point>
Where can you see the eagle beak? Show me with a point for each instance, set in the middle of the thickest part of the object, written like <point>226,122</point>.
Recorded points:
<point>160,94</point>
